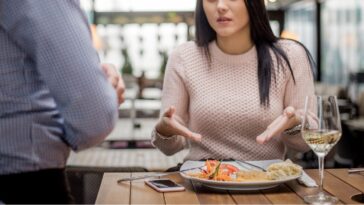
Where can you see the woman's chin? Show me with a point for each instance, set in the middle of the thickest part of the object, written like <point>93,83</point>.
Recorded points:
<point>225,32</point>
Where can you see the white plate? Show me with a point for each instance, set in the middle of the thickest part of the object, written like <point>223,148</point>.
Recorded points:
<point>226,185</point>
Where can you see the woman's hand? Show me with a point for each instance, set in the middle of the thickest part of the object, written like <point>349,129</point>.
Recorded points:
<point>170,124</point>
<point>287,120</point>
<point>115,79</point>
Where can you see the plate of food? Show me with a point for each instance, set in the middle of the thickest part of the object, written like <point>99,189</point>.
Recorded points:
<point>237,175</point>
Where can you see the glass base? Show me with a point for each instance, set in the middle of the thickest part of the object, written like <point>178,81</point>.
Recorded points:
<point>320,199</point>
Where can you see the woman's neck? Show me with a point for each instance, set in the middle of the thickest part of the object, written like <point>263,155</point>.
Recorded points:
<point>235,44</point>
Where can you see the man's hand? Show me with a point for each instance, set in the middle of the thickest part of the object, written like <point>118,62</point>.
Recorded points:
<point>114,77</point>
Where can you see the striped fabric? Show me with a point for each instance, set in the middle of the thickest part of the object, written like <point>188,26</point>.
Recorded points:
<point>53,94</point>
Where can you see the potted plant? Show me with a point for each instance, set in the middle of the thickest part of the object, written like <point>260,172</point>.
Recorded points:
<point>163,65</point>
<point>127,70</point>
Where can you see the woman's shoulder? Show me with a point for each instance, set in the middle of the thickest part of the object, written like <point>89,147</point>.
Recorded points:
<point>187,50</point>
<point>298,56</point>
<point>292,48</point>
<point>187,54</point>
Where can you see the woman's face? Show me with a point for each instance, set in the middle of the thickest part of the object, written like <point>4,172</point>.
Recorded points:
<point>227,17</point>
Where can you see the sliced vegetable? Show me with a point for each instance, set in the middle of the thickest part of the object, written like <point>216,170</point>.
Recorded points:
<point>230,168</point>
<point>216,171</point>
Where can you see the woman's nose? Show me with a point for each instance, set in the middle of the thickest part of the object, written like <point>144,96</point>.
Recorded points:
<point>221,6</point>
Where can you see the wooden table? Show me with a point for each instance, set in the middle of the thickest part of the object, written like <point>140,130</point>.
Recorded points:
<point>337,182</point>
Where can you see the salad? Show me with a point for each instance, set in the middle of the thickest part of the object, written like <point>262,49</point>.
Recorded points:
<point>221,171</point>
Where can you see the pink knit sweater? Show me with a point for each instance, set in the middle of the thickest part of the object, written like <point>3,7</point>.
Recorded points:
<point>220,101</point>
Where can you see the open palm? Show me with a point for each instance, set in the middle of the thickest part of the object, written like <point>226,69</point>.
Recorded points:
<point>171,124</point>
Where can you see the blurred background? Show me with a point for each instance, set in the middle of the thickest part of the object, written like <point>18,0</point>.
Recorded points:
<point>138,35</point>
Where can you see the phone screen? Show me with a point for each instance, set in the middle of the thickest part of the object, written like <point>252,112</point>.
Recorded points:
<point>164,183</point>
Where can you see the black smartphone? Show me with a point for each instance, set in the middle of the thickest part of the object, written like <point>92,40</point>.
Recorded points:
<point>164,185</point>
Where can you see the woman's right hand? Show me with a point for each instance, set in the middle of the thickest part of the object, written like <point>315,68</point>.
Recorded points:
<point>170,124</point>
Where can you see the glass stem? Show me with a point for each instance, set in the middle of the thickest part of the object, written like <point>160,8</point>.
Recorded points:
<point>321,171</point>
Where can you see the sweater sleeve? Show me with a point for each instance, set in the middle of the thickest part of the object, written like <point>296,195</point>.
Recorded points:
<point>297,90</point>
<point>174,94</point>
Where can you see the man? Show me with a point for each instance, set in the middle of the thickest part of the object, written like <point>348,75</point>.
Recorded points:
<point>54,97</point>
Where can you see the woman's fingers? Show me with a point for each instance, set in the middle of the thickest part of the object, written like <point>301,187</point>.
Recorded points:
<point>275,122</point>
<point>289,111</point>
<point>173,125</point>
<point>262,138</point>
<point>286,120</point>
<point>169,112</point>
<point>273,130</point>
<point>184,131</point>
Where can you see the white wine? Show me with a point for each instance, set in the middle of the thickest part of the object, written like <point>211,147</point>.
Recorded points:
<point>321,141</point>
<point>321,135</point>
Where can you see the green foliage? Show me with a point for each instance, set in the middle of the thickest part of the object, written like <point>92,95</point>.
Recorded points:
<point>162,68</point>
<point>127,67</point>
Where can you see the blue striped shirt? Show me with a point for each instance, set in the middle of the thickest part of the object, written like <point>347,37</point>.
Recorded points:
<point>53,93</point>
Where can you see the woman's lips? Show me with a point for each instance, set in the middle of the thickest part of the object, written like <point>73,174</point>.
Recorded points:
<point>223,20</point>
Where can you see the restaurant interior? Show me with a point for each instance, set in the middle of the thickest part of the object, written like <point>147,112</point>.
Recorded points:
<point>137,36</point>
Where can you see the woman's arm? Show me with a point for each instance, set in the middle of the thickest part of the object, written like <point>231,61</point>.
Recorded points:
<point>294,98</point>
<point>171,132</point>
<point>297,91</point>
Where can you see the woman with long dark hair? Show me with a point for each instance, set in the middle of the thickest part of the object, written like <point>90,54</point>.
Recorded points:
<point>234,91</point>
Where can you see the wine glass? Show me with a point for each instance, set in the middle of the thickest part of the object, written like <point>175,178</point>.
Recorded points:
<point>321,130</point>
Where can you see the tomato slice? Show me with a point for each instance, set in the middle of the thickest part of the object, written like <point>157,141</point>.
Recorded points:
<point>229,167</point>
<point>226,169</point>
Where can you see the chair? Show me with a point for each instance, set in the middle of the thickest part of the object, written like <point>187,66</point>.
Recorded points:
<point>85,170</point>
<point>349,149</point>
<point>353,86</point>
<point>85,181</point>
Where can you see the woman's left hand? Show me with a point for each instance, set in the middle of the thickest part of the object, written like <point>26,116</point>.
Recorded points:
<point>289,118</point>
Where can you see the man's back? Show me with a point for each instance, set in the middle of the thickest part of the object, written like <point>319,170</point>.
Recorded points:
<point>53,94</point>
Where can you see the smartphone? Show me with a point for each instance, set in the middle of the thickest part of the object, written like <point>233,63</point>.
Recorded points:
<point>164,185</point>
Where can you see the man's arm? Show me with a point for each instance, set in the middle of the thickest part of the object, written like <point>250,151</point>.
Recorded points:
<point>56,37</point>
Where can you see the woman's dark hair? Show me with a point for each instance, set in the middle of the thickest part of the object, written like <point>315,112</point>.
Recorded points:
<point>263,38</point>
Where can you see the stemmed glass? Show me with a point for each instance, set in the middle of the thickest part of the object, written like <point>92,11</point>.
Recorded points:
<point>321,130</point>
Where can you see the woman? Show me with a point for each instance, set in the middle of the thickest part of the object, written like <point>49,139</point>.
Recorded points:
<point>234,91</point>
